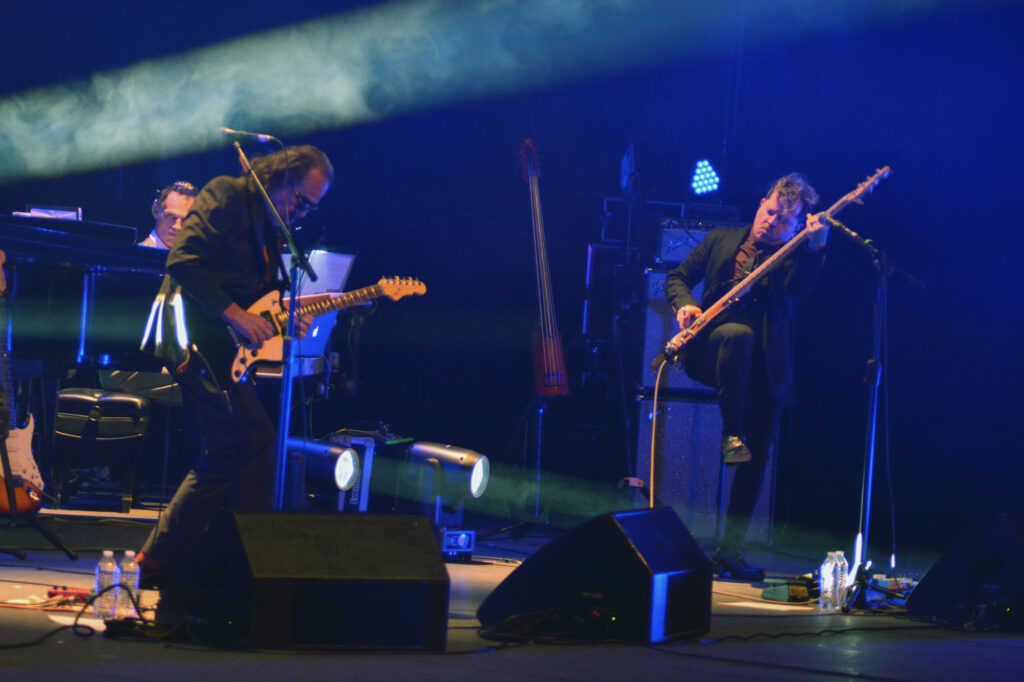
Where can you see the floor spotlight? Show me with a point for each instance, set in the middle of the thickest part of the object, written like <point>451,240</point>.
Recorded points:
<point>447,473</point>
<point>705,179</point>
<point>462,470</point>
<point>328,468</point>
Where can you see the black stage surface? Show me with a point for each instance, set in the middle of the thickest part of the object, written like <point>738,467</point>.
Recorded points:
<point>749,638</point>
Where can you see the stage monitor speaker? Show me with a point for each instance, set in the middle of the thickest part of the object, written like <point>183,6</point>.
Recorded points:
<point>688,466</point>
<point>977,583</point>
<point>633,575</point>
<point>296,580</point>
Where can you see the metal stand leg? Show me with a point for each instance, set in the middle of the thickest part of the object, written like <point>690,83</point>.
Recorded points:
<point>33,519</point>
<point>720,517</point>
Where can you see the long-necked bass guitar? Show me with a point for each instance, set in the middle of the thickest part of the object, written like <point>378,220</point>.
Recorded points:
<point>678,343</point>
<point>549,373</point>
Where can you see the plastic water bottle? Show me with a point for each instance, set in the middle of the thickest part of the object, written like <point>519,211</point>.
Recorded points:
<point>107,573</point>
<point>129,586</point>
<point>842,569</point>
<point>827,583</point>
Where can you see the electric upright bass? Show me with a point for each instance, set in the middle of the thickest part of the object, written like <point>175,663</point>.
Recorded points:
<point>549,374</point>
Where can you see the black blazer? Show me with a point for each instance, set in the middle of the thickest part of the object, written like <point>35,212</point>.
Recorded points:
<point>770,307</point>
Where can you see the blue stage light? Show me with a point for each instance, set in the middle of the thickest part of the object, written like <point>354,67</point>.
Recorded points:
<point>705,179</point>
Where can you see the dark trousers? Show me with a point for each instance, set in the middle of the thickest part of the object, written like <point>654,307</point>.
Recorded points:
<point>236,467</point>
<point>729,360</point>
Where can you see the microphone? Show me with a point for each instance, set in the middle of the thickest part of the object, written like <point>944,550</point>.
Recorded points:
<point>260,137</point>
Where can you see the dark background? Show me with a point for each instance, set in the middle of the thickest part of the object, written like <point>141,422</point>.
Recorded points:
<point>437,195</point>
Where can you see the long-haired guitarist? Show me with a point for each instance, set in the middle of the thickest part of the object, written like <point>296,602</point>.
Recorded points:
<point>225,258</point>
<point>746,353</point>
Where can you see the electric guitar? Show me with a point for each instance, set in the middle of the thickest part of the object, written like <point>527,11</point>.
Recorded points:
<point>20,479</point>
<point>269,308</point>
<point>678,343</point>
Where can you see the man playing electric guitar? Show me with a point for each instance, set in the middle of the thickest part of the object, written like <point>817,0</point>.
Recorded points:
<point>225,258</point>
<point>746,353</point>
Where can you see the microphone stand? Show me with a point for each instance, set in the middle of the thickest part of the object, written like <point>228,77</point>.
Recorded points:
<point>857,597</point>
<point>298,261</point>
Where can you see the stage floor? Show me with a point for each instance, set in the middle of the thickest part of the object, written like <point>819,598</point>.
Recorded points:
<point>749,638</point>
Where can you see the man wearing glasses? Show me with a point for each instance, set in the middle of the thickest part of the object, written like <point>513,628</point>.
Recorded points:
<point>225,258</point>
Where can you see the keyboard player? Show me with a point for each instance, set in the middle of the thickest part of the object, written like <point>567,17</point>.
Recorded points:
<point>170,207</point>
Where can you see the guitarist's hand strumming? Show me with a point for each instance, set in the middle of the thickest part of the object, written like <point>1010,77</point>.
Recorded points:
<point>251,329</point>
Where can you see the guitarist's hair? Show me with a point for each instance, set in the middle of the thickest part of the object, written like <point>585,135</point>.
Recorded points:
<point>794,187</point>
<point>295,163</point>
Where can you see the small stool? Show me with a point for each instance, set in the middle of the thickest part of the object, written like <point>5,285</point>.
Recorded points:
<point>96,416</point>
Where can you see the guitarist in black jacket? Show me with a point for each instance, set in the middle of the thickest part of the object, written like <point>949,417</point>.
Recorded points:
<point>225,258</point>
<point>746,353</point>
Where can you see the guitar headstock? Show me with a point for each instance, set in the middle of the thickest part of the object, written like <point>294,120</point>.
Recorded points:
<point>528,159</point>
<point>865,187</point>
<point>400,287</point>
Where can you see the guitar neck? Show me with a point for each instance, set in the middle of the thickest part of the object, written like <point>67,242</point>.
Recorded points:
<point>784,252</point>
<point>340,302</point>
<point>744,286</point>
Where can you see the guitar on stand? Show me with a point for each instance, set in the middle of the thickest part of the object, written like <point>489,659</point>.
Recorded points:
<point>549,375</point>
<point>21,483</point>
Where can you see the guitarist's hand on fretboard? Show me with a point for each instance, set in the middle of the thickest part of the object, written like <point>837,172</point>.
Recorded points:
<point>817,231</point>
<point>251,329</point>
<point>686,315</point>
<point>302,322</point>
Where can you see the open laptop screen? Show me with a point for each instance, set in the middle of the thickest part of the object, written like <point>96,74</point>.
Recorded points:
<point>332,271</point>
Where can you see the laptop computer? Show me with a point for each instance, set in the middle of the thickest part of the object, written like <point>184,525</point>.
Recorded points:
<point>332,271</point>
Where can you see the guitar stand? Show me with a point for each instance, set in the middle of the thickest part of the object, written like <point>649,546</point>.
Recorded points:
<point>534,414</point>
<point>17,520</point>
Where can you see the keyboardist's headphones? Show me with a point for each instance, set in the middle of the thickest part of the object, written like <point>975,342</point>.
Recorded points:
<point>181,187</point>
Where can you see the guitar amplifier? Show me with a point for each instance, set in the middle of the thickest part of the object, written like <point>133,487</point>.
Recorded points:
<point>678,237</point>
<point>688,465</point>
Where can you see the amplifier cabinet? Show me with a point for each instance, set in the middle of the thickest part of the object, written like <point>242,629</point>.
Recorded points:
<point>688,465</point>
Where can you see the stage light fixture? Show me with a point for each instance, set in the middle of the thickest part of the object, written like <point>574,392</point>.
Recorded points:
<point>462,469</point>
<point>705,179</point>
<point>328,462</point>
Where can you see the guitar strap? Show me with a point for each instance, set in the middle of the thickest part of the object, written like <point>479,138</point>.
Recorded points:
<point>269,246</point>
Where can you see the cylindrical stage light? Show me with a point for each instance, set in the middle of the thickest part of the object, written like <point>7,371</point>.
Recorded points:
<point>328,462</point>
<point>462,469</point>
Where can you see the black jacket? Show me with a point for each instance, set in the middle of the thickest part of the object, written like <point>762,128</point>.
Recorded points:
<point>770,307</point>
<point>218,256</point>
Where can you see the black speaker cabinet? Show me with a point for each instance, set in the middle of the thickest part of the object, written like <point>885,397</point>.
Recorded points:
<point>688,465</point>
<point>978,581</point>
<point>296,580</point>
<point>634,575</point>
